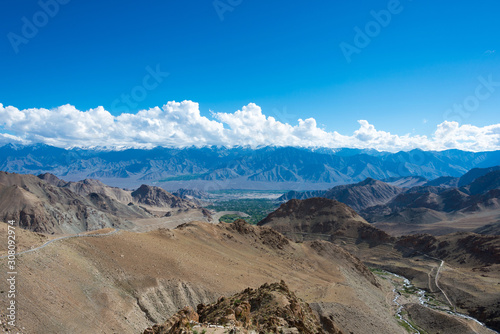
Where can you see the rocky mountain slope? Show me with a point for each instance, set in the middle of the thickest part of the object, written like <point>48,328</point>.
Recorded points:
<point>48,204</point>
<point>364,194</point>
<point>322,218</point>
<point>443,181</point>
<point>490,229</point>
<point>474,173</point>
<point>442,209</point>
<point>460,249</point>
<point>483,184</point>
<point>427,207</point>
<point>155,196</point>
<point>473,260</point>
<point>469,274</point>
<point>194,195</point>
<point>126,282</point>
<point>406,182</point>
<point>358,196</point>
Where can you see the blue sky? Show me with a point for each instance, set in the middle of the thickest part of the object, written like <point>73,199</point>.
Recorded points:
<point>284,56</point>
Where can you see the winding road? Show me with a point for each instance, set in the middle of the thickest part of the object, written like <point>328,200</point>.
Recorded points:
<point>79,235</point>
<point>437,285</point>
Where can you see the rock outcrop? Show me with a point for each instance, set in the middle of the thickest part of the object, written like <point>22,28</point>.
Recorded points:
<point>272,308</point>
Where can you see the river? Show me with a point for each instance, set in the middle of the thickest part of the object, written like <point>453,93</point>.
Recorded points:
<point>404,289</point>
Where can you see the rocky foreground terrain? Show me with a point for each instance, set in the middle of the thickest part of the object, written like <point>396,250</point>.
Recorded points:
<point>271,308</point>
<point>128,281</point>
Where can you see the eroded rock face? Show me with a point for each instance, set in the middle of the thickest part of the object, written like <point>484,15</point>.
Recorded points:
<point>464,249</point>
<point>177,324</point>
<point>272,308</point>
<point>435,322</point>
<point>155,196</point>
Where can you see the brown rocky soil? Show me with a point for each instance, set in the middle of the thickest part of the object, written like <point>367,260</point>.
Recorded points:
<point>434,322</point>
<point>128,281</point>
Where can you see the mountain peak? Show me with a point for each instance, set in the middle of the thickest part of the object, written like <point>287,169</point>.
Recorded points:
<point>159,197</point>
<point>369,181</point>
<point>52,179</point>
<point>316,206</point>
<point>320,218</point>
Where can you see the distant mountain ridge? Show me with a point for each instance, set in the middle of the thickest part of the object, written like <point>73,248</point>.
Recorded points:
<point>480,191</point>
<point>389,206</point>
<point>232,167</point>
<point>358,196</point>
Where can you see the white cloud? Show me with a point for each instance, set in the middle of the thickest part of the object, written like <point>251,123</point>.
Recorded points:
<point>180,124</point>
<point>6,138</point>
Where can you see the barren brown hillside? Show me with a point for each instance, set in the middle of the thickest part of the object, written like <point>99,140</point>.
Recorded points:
<point>50,205</point>
<point>125,282</point>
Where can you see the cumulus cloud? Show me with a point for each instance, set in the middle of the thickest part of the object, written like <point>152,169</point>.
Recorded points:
<point>180,124</point>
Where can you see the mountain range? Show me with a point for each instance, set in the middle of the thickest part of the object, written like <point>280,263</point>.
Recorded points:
<point>440,206</point>
<point>239,168</point>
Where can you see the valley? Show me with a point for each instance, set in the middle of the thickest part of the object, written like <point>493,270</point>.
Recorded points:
<point>415,308</point>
